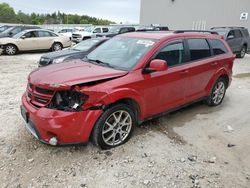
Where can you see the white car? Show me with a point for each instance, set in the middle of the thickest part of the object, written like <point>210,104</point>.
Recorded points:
<point>66,32</point>
<point>34,39</point>
<point>88,33</point>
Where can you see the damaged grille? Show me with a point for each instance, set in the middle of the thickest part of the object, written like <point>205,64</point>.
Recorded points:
<point>39,97</point>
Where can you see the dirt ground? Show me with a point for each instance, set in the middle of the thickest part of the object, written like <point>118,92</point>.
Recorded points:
<point>188,148</point>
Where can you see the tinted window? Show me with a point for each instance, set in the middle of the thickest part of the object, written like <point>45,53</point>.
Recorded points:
<point>124,30</point>
<point>46,34</point>
<point>15,30</point>
<point>97,30</point>
<point>245,31</point>
<point>218,47</point>
<point>105,30</point>
<point>199,49</point>
<point>31,34</point>
<point>173,54</point>
<point>237,33</point>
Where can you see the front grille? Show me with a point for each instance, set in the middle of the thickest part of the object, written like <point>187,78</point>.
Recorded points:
<point>39,97</point>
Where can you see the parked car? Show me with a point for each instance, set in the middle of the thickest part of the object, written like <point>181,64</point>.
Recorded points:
<point>116,30</point>
<point>78,51</point>
<point>10,32</point>
<point>66,32</point>
<point>88,33</point>
<point>4,27</point>
<point>153,28</point>
<point>237,38</point>
<point>129,79</point>
<point>34,39</point>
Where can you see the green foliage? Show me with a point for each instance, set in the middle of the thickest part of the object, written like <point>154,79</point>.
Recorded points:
<point>8,15</point>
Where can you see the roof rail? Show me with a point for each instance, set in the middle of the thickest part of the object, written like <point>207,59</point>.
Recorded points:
<point>199,31</point>
<point>227,27</point>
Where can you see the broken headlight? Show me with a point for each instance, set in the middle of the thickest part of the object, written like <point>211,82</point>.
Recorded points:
<point>69,101</point>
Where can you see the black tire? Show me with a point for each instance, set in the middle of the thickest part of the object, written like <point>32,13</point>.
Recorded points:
<point>56,47</point>
<point>10,49</point>
<point>242,52</point>
<point>113,131</point>
<point>216,97</point>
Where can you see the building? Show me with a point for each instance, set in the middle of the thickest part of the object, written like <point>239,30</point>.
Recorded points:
<point>195,14</point>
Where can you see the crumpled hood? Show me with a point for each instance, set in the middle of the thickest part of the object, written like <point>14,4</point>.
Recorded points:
<point>72,73</point>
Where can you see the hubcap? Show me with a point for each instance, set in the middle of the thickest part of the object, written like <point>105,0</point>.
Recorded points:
<point>10,50</point>
<point>219,92</point>
<point>243,51</point>
<point>117,128</point>
<point>57,47</point>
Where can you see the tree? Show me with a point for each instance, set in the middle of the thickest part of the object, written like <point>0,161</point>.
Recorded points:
<point>7,13</point>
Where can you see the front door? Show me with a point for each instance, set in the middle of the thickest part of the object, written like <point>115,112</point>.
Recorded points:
<point>166,90</point>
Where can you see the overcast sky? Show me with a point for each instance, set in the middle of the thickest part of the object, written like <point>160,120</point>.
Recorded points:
<point>115,10</point>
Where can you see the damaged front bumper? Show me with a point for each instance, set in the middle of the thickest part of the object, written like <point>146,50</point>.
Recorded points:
<point>53,126</point>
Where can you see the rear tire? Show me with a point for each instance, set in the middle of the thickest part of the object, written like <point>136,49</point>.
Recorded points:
<point>218,93</point>
<point>114,127</point>
<point>10,49</point>
<point>57,47</point>
<point>242,52</point>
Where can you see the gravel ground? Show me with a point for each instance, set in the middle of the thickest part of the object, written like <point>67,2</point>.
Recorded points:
<point>188,148</point>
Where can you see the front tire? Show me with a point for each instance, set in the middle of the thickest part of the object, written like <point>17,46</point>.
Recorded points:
<point>10,49</point>
<point>218,93</point>
<point>114,127</point>
<point>242,52</point>
<point>56,47</point>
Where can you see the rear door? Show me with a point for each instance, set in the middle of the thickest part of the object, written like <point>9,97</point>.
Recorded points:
<point>45,39</point>
<point>201,68</point>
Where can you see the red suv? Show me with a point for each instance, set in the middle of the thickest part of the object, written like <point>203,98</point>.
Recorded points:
<point>127,80</point>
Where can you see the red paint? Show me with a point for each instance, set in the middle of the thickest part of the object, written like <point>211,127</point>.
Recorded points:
<point>167,88</point>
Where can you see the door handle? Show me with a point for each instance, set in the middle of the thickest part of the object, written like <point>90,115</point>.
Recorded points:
<point>184,72</point>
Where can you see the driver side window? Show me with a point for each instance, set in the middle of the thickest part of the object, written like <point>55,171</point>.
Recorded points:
<point>173,54</point>
<point>30,35</point>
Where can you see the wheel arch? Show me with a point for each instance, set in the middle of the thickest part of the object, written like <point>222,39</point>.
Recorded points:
<point>222,73</point>
<point>13,45</point>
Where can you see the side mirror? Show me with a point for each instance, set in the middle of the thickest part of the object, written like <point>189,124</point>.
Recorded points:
<point>10,33</point>
<point>156,65</point>
<point>230,37</point>
<point>23,37</point>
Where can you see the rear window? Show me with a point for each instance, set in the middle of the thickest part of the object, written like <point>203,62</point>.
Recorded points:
<point>199,49</point>
<point>217,46</point>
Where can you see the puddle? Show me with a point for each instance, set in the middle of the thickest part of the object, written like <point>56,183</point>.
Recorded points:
<point>242,75</point>
<point>166,124</point>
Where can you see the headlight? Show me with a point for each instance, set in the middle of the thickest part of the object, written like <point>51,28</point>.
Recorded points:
<point>59,60</point>
<point>69,101</point>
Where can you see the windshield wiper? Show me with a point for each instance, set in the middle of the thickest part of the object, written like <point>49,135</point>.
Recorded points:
<point>99,62</point>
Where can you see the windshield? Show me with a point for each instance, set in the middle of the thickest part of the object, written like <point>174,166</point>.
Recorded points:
<point>8,30</point>
<point>86,44</point>
<point>114,29</point>
<point>120,52</point>
<point>222,33</point>
<point>89,29</point>
<point>3,28</point>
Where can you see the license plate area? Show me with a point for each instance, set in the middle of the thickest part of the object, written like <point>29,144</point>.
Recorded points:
<point>24,114</point>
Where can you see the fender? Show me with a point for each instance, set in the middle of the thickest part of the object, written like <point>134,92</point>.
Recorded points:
<point>104,99</point>
<point>215,77</point>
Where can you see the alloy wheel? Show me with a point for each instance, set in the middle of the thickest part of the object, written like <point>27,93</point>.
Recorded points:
<point>243,52</point>
<point>57,47</point>
<point>11,50</point>
<point>219,92</point>
<point>117,128</point>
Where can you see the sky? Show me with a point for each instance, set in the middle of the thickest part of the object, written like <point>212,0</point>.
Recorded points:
<point>126,11</point>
